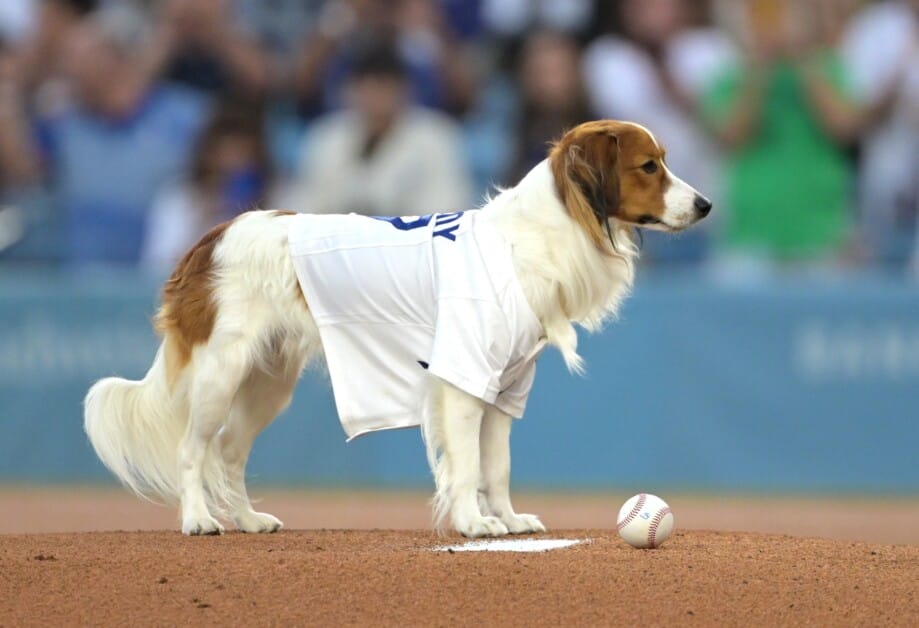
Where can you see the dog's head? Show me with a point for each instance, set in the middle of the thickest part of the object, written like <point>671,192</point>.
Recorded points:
<point>616,170</point>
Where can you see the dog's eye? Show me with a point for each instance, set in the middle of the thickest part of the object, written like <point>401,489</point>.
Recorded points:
<point>649,167</point>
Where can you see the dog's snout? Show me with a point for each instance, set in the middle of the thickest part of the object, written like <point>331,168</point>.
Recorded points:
<point>703,205</point>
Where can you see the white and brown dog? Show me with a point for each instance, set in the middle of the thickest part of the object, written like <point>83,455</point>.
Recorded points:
<point>238,328</point>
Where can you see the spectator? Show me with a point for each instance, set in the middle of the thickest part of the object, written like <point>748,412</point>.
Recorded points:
<point>552,97</point>
<point>382,156</point>
<point>40,51</point>
<point>14,170</point>
<point>34,32</point>
<point>436,66</point>
<point>121,139</point>
<point>230,173</point>
<point>17,163</point>
<point>200,43</point>
<point>655,73</point>
<point>513,19</point>
<point>785,117</point>
<point>279,28</point>
<point>881,50</point>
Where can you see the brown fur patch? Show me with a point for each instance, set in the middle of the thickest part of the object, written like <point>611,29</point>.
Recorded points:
<point>599,165</point>
<point>188,312</point>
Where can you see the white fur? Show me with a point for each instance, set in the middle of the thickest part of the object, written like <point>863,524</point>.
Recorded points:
<point>565,278</point>
<point>189,442</point>
<point>679,204</point>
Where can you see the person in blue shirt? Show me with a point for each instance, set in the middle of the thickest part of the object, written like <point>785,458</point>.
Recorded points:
<point>114,142</point>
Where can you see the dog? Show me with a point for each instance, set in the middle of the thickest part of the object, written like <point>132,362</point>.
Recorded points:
<point>250,305</point>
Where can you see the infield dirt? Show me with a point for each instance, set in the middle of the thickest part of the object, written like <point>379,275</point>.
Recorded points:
<point>56,570</point>
<point>368,577</point>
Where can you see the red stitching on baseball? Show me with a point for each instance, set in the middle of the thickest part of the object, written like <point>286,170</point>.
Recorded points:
<point>639,504</point>
<point>655,522</point>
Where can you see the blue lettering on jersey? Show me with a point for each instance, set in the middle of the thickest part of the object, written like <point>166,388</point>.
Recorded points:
<point>399,223</point>
<point>445,225</point>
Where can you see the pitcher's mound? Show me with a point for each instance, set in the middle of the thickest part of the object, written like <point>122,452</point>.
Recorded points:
<point>397,578</point>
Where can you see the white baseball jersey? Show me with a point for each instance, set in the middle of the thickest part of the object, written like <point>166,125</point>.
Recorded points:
<point>394,297</point>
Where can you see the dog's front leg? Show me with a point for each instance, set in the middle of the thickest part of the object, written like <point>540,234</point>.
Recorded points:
<point>495,447</point>
<point>458,416</point>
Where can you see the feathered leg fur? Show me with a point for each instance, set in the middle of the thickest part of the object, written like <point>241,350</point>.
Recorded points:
<point>262,396</point>
<point>494,487</point>
<point>453,421</point>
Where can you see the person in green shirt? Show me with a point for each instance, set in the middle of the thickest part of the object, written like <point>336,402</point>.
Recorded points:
<point>785,120</point>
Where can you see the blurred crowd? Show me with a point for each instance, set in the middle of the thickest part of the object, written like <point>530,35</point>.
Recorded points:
<point>129,127</point>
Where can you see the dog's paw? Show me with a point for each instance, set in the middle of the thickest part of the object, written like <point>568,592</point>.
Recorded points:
<point>523,524</point>
<point>482,526</point>
<point>257,522</point>
<point>201,526</point>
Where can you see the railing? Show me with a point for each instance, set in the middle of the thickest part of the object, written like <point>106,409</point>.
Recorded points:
<point>794,385</point>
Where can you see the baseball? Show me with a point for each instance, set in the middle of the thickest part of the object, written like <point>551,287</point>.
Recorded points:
<point>645,521</point>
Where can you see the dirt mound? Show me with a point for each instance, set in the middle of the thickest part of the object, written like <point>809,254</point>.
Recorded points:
<point>392,577</point>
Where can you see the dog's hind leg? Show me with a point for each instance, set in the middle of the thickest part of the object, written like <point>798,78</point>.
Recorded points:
<point>495,451</point>
<point>220,367</point>
<point>261,398</point>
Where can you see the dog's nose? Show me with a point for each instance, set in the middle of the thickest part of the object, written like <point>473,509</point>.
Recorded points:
<point>703,205</point>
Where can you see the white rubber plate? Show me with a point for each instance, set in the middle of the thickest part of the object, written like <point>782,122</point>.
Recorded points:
<point>512,545</point>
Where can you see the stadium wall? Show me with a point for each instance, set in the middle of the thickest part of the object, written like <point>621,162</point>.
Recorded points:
<point>798,385</point>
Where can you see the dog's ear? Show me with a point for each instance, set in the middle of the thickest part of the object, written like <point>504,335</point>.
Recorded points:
<point>585,165</point>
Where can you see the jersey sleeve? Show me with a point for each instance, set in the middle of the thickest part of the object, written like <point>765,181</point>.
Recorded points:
<point>513,400</point>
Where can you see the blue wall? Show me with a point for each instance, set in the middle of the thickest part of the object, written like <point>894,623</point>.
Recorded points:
<point>790,386</point>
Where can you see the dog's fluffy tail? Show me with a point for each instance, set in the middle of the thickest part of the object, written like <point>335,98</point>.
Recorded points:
<point>136,428</point>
